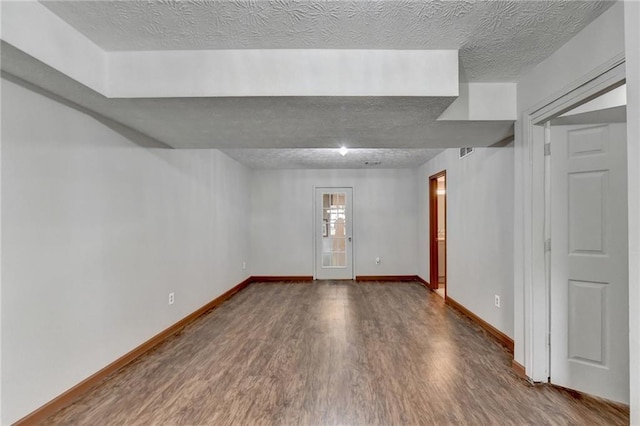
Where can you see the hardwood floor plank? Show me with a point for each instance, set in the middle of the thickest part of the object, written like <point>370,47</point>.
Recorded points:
<point>331,352</point>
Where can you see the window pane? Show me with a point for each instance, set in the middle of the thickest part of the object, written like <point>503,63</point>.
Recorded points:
<point>326,201</point>
<point>338,245</point>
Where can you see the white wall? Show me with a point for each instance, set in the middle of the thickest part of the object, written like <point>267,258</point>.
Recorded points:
<point>31,27</point>
<point>385,214</point>
<point>97,232</point>
<point>600,41</point>
<point>479,230</point>
<point>283,72</point>
<point>632,49</point>
<point>482,101</point>
<point>0,242</point>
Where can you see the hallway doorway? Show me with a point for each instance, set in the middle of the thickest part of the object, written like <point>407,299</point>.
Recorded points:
<point>438,232</point>
<point>588,258</point>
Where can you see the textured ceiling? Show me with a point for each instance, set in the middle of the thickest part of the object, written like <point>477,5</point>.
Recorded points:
<point>498,40</point>
<point>331,158</point>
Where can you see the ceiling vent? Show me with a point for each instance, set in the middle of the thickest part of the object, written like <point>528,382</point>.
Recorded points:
<point>372,163</point>
<point>465,152</point>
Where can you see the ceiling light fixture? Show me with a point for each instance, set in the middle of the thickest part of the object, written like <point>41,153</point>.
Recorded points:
<point>343,150</point>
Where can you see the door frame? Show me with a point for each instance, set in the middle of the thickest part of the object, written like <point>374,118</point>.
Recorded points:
<point>433,231</point>
<point>533,265</point>
<point>314,234</point>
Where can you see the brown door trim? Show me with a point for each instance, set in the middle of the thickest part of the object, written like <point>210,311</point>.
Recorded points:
<point>433,229</point>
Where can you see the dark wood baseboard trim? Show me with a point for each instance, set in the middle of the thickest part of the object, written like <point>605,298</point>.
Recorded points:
<point>70,396</point>
<point>423,281</point>
<point>588,399</point>
<point>387,278</point>
<point>273,279</point>
<point>519,369</point>
<point>505,340</point>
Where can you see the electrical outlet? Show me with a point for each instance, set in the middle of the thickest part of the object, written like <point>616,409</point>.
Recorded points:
<point>497,302</point>
<point>171,298</point>
<point>377,260</point>
<point>244,265</point>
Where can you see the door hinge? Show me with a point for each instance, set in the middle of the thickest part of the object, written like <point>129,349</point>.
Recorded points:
<point>548,339</point>
<point>547,244</point>
<point>547,149</point>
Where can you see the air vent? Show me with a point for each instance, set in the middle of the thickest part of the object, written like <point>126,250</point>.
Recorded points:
<point>372,163</point>
<point>465,152</point>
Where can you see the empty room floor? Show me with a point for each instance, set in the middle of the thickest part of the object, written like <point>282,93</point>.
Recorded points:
<point>327,353</point>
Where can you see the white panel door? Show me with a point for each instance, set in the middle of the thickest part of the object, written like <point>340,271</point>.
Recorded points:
<point>334,236</point>
<point>589,280</point>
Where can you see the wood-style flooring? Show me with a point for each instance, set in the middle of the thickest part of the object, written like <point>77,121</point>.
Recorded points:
<point>328,353</point>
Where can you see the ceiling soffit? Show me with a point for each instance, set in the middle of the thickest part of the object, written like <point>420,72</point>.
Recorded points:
<point>264,122</point>
<point>36,30</point>
<point>498,40</point>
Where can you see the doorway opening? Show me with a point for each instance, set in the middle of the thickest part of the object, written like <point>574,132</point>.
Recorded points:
<point>438,233</point>
<point>535,202</point>
<point>587,259</point>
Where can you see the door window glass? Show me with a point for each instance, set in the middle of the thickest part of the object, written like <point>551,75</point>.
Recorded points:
<point>334,232</point>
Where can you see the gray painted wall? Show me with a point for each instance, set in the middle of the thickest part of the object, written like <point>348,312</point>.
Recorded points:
<point>97,232</point>
<point>385,219</point>
<point>632,49</point>
<point>479,230</point>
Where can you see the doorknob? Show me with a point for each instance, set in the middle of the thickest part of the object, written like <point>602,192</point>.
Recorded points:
<point>349,239</point>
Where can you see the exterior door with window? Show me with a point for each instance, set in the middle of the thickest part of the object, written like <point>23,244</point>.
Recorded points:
<point>333,233</point>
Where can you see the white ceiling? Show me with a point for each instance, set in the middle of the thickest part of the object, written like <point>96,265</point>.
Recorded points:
<point>498,40</point>
<point>331,158</point>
